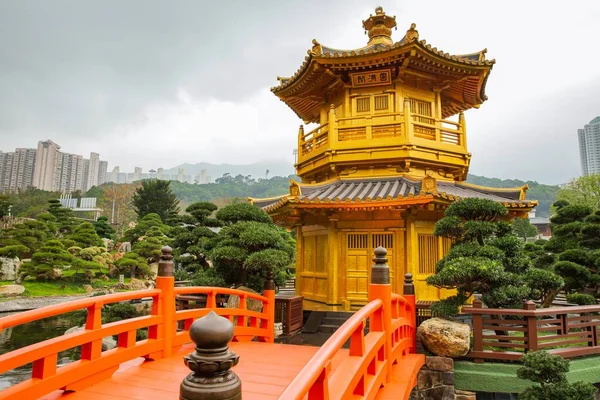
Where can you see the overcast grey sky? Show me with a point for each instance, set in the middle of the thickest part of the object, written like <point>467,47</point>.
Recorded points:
<point>158,83</point>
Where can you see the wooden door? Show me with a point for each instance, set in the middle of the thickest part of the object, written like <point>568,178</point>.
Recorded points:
<point>357,267</point>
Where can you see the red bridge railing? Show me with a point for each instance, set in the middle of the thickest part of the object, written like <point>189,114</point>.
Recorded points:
<point>163,338</point>
<point>362,371</point>
<point>368,363</point>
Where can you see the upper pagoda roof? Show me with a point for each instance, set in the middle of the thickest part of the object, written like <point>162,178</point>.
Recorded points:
<point>462,77</point>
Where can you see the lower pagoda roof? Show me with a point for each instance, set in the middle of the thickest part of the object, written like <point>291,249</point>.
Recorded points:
<point>391,190</point>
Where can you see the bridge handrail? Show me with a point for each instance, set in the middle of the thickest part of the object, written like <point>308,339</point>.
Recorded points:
<point>368,363</point>
<point>248,324</point>
<point>311,379</point>
<point>96,365</point>
<point>63,308</point>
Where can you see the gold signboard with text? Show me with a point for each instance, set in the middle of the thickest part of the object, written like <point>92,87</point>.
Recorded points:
<point>372,78</point>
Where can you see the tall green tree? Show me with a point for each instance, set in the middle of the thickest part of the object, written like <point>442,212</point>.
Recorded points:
<point>31,234</point>
<point>84,235</point>
<point>156,196</point>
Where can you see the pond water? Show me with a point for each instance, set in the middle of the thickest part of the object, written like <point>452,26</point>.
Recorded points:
<point>34,332</point>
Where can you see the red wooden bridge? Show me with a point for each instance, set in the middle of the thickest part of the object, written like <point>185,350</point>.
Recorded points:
<point>381,364</point>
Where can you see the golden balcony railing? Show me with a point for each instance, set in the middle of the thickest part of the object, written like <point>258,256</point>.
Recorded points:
<point>381,130</point>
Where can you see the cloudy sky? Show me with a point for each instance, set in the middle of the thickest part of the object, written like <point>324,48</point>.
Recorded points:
<point>158,83</point>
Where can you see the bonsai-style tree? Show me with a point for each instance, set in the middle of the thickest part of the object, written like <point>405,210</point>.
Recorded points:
<point>146,249</point>
<point>31,234</point>
<point>147,222</point>
<point>550,372</point>
<point>63,215</point>
<point>155,196</point>
<point>103,228</point>
<point>486,257</point>
<point>84,235</point>
<point>193,239</point>
<point>574,248</point>
<point>47,261</point>
<point>249,245</point>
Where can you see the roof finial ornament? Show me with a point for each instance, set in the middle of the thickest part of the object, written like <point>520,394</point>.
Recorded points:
<point>379,27</point>
<point>412,34</point>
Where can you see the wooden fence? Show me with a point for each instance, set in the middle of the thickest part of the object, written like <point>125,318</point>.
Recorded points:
<point>506,334</point>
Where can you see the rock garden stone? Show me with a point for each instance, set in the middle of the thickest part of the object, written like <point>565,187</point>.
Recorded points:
<point>445,338</point>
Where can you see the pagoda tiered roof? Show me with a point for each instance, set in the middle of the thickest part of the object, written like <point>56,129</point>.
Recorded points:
<point>384,192</point>
<point>462,77</point>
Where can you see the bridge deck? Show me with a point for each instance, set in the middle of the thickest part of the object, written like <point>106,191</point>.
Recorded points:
<point>264,368</point>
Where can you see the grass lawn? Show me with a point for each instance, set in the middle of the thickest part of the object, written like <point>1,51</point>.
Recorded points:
<point>34,288</point>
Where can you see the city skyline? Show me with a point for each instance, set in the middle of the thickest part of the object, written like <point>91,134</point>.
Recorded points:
<point>189,95</point>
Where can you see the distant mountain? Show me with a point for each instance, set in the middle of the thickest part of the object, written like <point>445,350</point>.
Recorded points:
<point>256,170</point>
<point>544,194</point>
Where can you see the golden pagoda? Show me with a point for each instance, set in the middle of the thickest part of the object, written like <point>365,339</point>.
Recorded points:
<point>388,155</point>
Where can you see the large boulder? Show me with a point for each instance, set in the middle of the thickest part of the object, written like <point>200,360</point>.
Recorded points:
<point>445,338</point>
<point>11,289</point>
<point>9,268</point>
<point>137,284</point>
<point>107,342</point>
<point>251,304</point>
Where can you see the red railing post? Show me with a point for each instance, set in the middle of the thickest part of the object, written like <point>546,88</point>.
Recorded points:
<point>380,288</point>
<point>165,282</point>
<point>269,308</point>
<point>411,301</point>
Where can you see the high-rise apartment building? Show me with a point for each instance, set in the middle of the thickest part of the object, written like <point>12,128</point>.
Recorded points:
<point>44,171</point>
<point>69,173</point>
<point>114,175</point>
<point>102,172</point>
<point>92,177</point>
<point>589,147</point>
<point>16,170</point>
<point>137,174</point>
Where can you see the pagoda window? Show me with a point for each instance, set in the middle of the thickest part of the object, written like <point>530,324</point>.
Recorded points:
<point>421,110</point>
<point>428,253</point>
<point>363,104</point>
<point>382,102</point>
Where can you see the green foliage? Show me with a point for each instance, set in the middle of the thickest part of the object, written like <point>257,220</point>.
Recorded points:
<point>122,311</point>
<point>31,234</point>
<point>581,299</point>
<point>13,251</point>
<point>155,196</point>
<point>542,283</point>
<point>208,277</point>
<point>523,228</point>
<point>584,191</point>
<point>242,212</point>
<point>575,275</point>
<point>103,229</point>
<point>5,206</point>
<point>549,371</point>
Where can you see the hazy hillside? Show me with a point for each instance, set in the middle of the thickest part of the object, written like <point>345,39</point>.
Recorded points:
<point>256,170</point>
